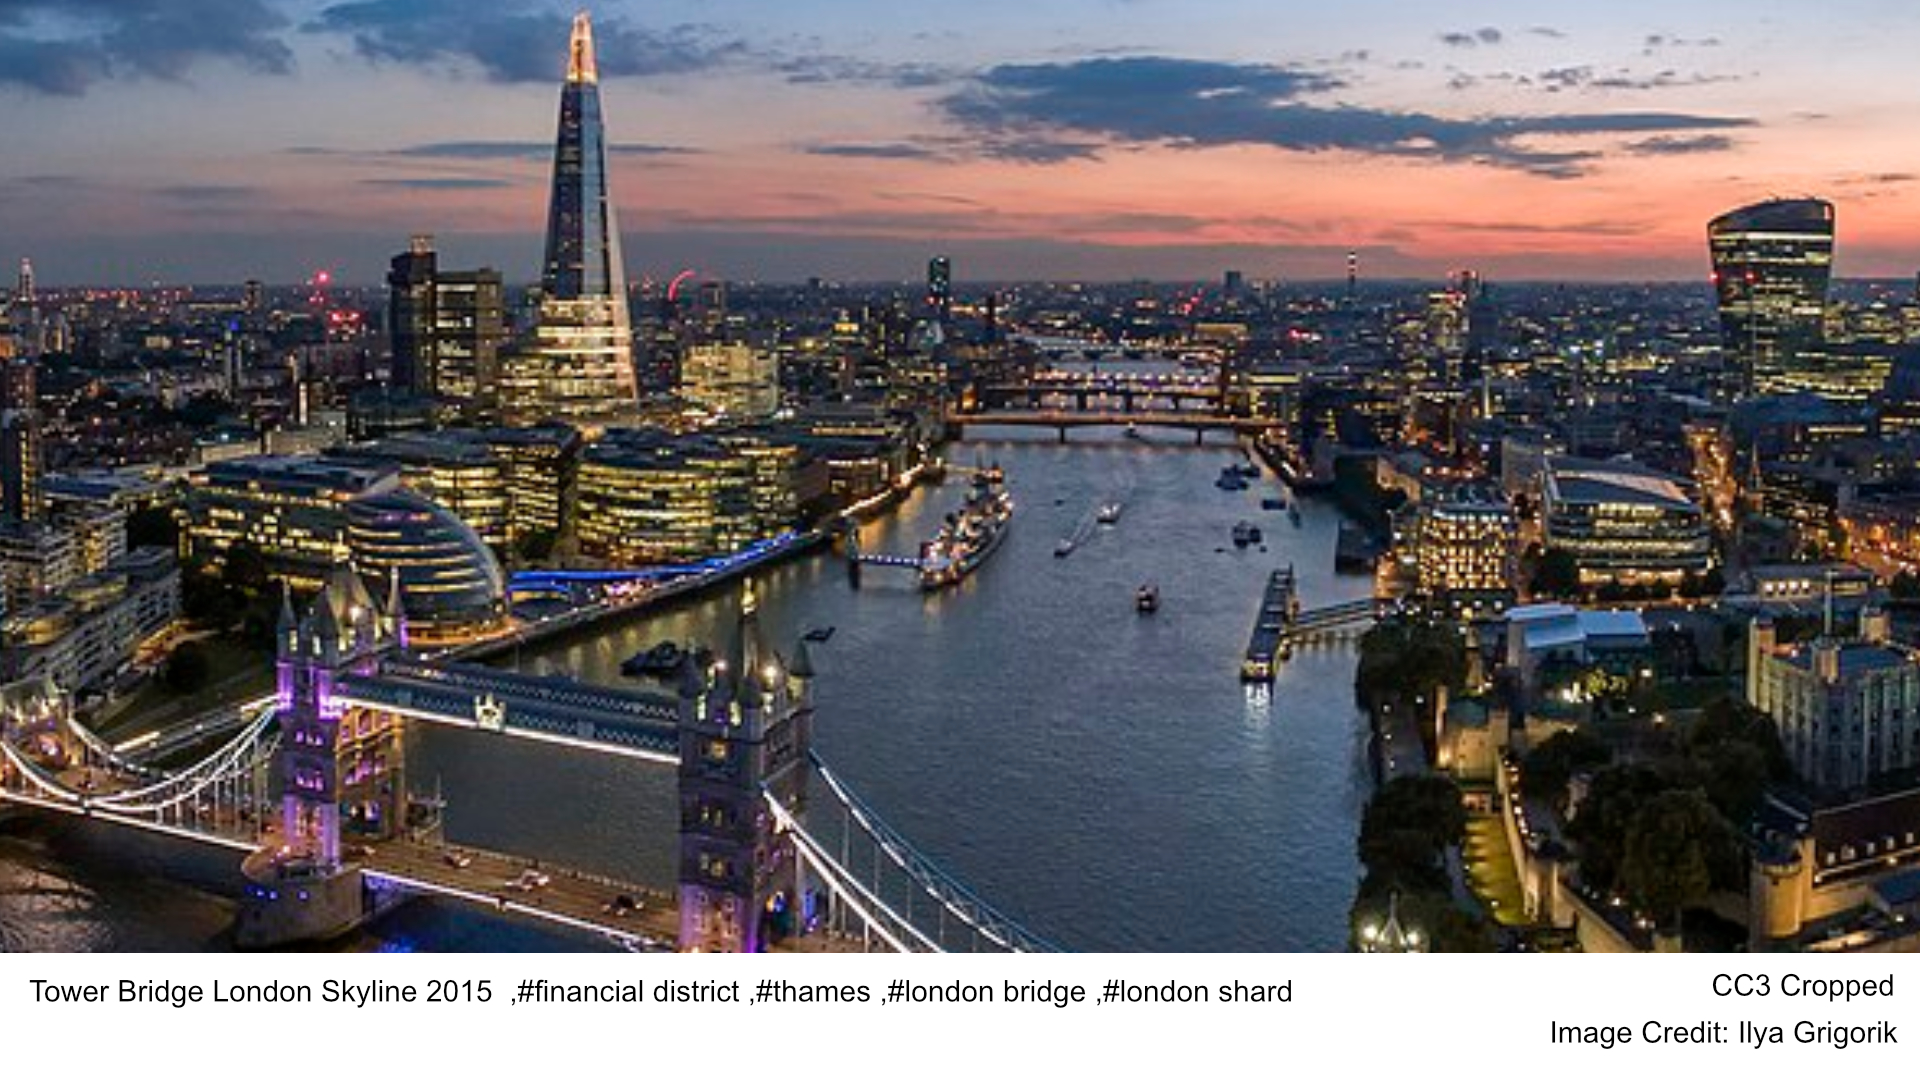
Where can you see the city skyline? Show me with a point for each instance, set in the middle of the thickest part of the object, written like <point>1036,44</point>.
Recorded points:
<point>179,142</point>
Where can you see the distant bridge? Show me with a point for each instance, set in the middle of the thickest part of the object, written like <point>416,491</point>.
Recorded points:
<point>1063,421</point>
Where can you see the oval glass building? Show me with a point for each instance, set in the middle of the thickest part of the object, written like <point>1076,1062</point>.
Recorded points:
<point>451,586</point>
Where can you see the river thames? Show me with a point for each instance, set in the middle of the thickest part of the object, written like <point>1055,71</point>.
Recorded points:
<point>1101,775</point>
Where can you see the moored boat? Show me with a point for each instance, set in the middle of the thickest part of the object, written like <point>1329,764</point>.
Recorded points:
<point>970,534</point>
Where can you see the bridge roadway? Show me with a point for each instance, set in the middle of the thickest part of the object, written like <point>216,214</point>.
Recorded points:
<point>490,879</point>
<point>571,898</point>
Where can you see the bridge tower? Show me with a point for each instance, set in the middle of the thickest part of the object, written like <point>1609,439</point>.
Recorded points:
<point>344,631</point>
<point>746,730</point>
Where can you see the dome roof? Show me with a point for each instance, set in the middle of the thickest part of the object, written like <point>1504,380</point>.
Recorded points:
<point>450,583</point>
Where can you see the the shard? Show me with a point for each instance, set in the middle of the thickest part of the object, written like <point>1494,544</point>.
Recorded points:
<point>582,361</point>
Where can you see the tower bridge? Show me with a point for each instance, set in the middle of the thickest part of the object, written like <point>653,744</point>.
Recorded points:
<point>774,850</point>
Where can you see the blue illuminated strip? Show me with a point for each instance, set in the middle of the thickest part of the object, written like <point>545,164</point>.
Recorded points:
<point>530,580</point>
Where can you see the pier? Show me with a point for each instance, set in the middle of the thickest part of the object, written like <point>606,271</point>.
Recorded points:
<point>1269,642</point>
<point>1281,623</point>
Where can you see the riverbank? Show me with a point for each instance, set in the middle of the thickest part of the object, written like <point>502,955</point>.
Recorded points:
<point>610,614</point>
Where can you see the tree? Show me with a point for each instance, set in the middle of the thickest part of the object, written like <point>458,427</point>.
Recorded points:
<point>1556,574</point>
<point>1409,825</point>
<point>1602,823</point>
<point>244,569</point>
<point>186,668</point>
<point>1726,720</point>
<point>1734,777</point>
<point>153,526</point>
<point>1407,828</point>
<point>1669,853</point>
<point>1564,755</point>
<point>1404,658</point>
<point>536,546</point>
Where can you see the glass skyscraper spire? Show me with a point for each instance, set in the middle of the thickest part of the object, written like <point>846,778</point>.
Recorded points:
<point>582,360</point>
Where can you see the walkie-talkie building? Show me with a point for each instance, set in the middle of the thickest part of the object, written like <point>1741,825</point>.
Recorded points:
<point>1772,263</point>
<point>582,360</point>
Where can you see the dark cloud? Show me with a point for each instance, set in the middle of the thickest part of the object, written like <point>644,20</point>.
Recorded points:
<point>895,151</point>
<point>1679,145</point>
<point>61,68</point>
<point>1469,39</point>
<point>207,193</point>
<point>1529,228</point>
<point>1192,103</point>
<point>1655,42</point>
<point>516,40</point>
<point>1036,150</point>
<point>64,47</point>
<point>1876,179</point>
<point>827,69</point>
<point>1017,149</point>
<point>439,183</point>
<point>1587,77</point>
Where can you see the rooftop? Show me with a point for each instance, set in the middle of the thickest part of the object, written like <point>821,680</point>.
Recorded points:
<point>301,470</point>
<point>1856,657</point>
<point>1573,480</point>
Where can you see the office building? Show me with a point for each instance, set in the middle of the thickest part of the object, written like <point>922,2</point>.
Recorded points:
<point>459,474</point>
<point>940,288</point>
<point>539,466</point>
<point>451,587</point>
<point>647,497</point>
<point>1772,263</point>
<point>88,633</point>
<point>1622,523</point>
<point>21,456</point>
<point>735,381</point>
<point>98,531</point>
<point>447,328</point>
<point>581,362</point>
<point>35,561</point>
<point>410,315</point>
<point>1464,547</point>
<point>291,509</point>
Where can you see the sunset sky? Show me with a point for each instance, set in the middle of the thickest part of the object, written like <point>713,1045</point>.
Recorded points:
<point>214,140</point>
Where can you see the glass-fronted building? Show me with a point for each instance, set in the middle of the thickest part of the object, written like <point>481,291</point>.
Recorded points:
<point>451,587</point>
<point>1772,263</point>
<point>1623,523</point>
<point>581,362</point>
<point>647,497</point>
<point>292,509</point>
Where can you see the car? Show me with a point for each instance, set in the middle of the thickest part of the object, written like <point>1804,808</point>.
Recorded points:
<point>532,879</point>
<point>457,860</point>
<point>623,905</point>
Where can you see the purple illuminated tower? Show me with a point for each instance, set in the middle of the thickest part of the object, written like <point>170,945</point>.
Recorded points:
<point>746,728</point>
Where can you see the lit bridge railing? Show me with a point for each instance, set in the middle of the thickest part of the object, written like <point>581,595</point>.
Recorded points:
<point>911,923</point>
